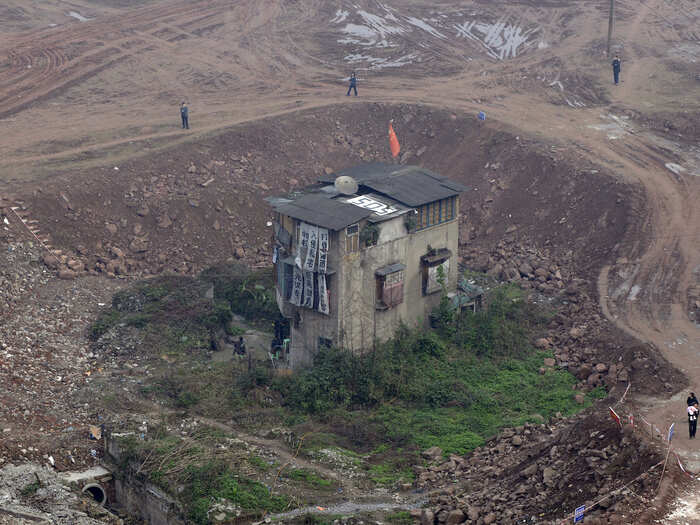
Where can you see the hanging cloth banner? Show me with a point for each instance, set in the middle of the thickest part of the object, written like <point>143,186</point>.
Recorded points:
<point>297,287</point>
<point>303,245</point>
<point>322,250</point>
<point>313,248</point>
<point>308,290</point>
<point>322,295</point>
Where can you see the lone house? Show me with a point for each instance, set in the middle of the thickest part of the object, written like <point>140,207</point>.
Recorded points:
<point>362,251</point>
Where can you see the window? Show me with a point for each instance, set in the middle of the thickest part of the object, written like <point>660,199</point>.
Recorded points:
<point>324,342</point>
<point>435,270</point>
<point>389,286</point>
<point>352,238</point>
<point>436,212</point>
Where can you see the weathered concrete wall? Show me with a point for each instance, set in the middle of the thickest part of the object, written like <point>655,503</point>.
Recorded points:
<point>360,322</point>
<point>147,501</point>
<point>140,498</point>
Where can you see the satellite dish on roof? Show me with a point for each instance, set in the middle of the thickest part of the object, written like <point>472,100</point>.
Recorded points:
<point>346,185</point>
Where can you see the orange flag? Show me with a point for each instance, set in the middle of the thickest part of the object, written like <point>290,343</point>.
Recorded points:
<point>393,142</point>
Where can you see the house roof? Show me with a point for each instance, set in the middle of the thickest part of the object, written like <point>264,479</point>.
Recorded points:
<point>321,210</point>
<point>410,185</point>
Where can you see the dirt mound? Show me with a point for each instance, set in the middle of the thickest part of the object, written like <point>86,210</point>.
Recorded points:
<point>202,202</point>
<point>536,473</point>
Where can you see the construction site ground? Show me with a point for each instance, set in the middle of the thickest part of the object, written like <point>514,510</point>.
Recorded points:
<point>100,185</point>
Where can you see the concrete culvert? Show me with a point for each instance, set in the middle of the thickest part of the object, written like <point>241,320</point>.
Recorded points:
<point>97,492</point>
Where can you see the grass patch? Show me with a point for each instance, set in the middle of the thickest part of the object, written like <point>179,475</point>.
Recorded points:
<point>308,477</point>
<point>454,386</point>
<point>402,517</point>
<point>259,463</point>
<point>389,475</point>
<point>30,489</point>
<point>195,471</point>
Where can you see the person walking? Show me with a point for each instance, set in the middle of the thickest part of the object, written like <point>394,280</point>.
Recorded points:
<point>692,420</point>
<point>184,114</point>
<point>353,84</point>
<point>616,69</point>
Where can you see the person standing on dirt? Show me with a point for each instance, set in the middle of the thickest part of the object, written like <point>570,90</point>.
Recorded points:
<point>616,69</point>
<point>692,400</point>
<point>241,346</point>
<point>353,84</point>
<point>184,114</point>
<point>692,420</point>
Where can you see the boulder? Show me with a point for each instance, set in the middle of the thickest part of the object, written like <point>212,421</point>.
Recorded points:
<point>67,274</point>
<point>601,368</point>
<point>51,261</point>
<point>490,518</point>
<point>495,271</point>
<point>75,265</point>
<point>516,441</point>
<point>433,453</point>
<point>473,512</point>
<point>526,268</point>
<point>427,517</point>
<point>455,517</point>
<point>111,228</point>
<point>580,398</point>
<point>548,476</point>
<point>542,343</point>
<point>529,471</point>
<point>549,361</point>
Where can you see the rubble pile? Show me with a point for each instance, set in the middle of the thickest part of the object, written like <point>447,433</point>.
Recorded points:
<point>31,494</point>
<point>45,360</point>
<point>536,473</point>
<point>581,339</point>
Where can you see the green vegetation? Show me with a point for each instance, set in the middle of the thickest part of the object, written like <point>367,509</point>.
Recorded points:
<point>30,489</point>
<point>250,294</point>
<point>259,463</point>
<point>453,387</point>
<point>308,477</point>
<point>402,517</point>
<point>198,473</point>
<point>215,480</point>
<point>388,474</point>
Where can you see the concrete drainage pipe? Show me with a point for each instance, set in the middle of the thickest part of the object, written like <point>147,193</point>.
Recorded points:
<point>97,492</point>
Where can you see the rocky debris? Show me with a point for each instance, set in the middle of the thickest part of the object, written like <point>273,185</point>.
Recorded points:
<point>31,494</point>
<point>45,359</point>
<point>580,338</point>
<point>541,471</point>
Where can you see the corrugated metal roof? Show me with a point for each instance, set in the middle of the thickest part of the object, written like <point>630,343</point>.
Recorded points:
<point>322,211</point>
<point>410,185</point>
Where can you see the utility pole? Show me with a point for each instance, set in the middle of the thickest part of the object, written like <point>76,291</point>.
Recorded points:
<point>610,23</point>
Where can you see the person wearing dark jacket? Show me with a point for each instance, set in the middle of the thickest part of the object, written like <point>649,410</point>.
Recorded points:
<point>616,69</point>
<point>353,84</point>
<point>692,420</point>
<point>184,114</point>
<point>692,400</point>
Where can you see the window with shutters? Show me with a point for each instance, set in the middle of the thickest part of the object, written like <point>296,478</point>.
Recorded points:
<point>390,290</point>
<point>352,238</point>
